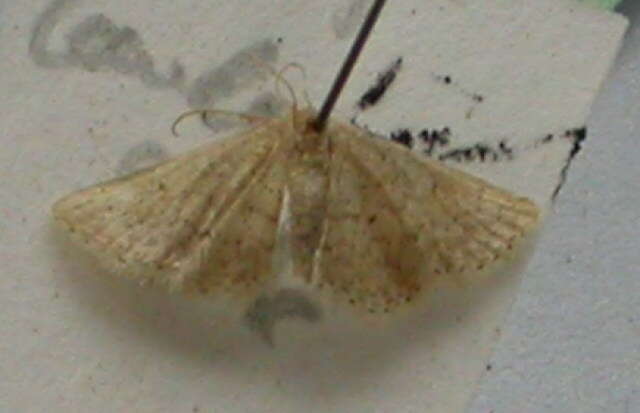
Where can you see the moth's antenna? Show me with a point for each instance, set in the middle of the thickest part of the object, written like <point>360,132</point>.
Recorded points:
<point>320,122</point>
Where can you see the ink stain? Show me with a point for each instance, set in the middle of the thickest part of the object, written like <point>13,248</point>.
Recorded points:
<point>429,139</point>
<point>476,98</point>
<point>434,138</point>
<point>383,82</point>
<point>578,136</point>
<point>479,152</point>
<point>505,149</point>
<point>97,44</point>
<point>142,155</point>
<point>403,137</point>
<point>239,72</point>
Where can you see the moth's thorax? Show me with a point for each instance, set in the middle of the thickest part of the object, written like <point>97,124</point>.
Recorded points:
<point>301,136</point>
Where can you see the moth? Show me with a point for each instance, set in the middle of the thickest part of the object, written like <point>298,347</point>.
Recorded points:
<point>361,218</point>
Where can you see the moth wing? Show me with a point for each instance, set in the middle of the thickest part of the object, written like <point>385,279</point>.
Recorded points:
<point>397,222</point>
<point>203,220</point>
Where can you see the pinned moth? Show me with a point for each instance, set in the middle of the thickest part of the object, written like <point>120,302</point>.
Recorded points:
<point>368,221</point>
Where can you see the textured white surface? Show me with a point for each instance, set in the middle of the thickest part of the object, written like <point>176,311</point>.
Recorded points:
<point>572,341</point>
<point>71,340</point>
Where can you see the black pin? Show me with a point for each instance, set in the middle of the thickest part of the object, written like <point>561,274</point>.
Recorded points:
<point>320,122</point>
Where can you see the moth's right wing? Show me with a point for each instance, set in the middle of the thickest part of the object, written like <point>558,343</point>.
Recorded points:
<point>203,221</point>
<point>396,223</point>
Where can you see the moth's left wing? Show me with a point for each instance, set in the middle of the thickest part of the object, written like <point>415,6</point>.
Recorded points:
<point>205,220</point>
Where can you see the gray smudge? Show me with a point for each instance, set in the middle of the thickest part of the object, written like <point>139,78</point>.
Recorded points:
<point>287,303</point>
<point>268,105</point>
<point>96,44</point>
<point>240,71</point>
<point>140,156</point>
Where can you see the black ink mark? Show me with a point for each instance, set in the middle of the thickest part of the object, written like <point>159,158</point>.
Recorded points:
<point>479,151</point>
<point>434,137</point>
<point>430,138</point>
<point>377,91</point>
<point>578,135</point>
<point>476,98</point>
<point>437,143</point>
<point>505,149</point>
<point>403,137</point>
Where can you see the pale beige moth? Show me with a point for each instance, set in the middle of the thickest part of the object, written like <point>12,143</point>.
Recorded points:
<point>369,222</point>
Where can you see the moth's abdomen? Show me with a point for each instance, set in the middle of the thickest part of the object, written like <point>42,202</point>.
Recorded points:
<point>308,185</point>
